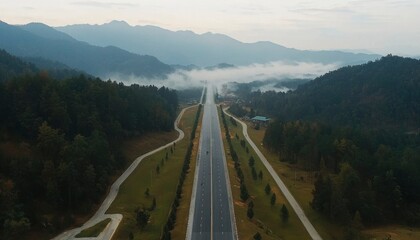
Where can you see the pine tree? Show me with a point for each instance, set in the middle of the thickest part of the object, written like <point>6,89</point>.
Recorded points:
<point>284,213</point>
<point>244,192</point>
<point>273,199</point>
<point>257,236</point>
<point>267,189</point>
<point>250,212</point>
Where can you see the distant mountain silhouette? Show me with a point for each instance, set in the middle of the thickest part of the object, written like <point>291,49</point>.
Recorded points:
<point>39,40</point>
<point>208,49</point>
<point>45,31</point>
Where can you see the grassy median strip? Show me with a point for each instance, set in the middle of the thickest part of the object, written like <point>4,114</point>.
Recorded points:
<point>266,216</point>
<point>300,183</point>
<point>154,180</point>
<point>181,223</point>
<point>170,223</point>
<point>95,230</point>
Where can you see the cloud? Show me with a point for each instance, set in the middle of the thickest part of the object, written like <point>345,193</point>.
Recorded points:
<point>323,10</point>
<point>100,4</point>
<point>182,79</point>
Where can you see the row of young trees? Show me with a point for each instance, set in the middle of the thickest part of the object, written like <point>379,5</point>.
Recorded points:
<point>72,130</point>
<point>170,223</point>
<point>244,190</point>
<point>245,196</point>
<point>374,174</point>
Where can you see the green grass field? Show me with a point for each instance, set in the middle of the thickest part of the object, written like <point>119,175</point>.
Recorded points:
<point>162,186</point>
<point>300,184</point>
<point>267,219</point>
<point>180,229</point>
<point>95,230</point>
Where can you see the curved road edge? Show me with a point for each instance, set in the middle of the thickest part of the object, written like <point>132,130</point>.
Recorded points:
<point>295,205</point>
<point>100,215</point>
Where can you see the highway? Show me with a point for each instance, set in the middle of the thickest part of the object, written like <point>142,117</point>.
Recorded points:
<point>211,209</point>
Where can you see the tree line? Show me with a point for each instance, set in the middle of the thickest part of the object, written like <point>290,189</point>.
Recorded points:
<point>170,223</point>
<point>380,94</point>
<point>374,174</point>
<point>357,129</point>
<point>243,189</point>
<point>73,129</point>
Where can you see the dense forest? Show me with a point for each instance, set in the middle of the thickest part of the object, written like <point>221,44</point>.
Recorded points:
<point>380,94</point>
<point>373,172</point>
<point>60,143</point>
<point>11,66</point>
<point>357,128</point>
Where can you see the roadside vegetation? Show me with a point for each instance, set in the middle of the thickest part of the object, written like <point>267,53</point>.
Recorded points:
<point>301,184</point>
<point>145,199</point>
<point>180,227</point>
<point>170,223</point>
<point>60,146</point>
<point>347,145</point>
<point>260,208</point>
<point>95,230</point>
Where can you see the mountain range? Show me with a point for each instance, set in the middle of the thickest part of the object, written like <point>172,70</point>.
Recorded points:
<point>38,40</point>
<point>208,49</point>
<point>118,48</point>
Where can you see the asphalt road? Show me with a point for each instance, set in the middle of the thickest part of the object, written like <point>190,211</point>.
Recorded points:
<point>211,210</point>
<point>295,205</point>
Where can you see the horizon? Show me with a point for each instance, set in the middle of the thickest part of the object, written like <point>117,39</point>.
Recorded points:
<point>381,27</point>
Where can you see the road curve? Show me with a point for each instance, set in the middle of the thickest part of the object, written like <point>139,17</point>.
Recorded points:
<point>295,205</point>
<point>116,218</point>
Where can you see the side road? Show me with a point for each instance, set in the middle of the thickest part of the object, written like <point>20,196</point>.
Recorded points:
<point>116,218</point>
<point>295,205</point>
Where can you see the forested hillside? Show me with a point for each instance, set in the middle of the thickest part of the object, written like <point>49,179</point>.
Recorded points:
<point>380,94</point>
<point>357,129</point>
<point>375,174</point>
<point>60,143</point>
<point>11,66</point>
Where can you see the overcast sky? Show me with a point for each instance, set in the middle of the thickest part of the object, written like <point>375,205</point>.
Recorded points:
<point>383,26</point>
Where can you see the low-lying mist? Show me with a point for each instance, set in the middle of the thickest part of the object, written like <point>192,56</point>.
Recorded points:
<point>182,79</point>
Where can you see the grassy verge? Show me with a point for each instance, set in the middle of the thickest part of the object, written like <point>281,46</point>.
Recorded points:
<point>393,232</point>
<point>134,147</point>
<point>300,184</point>
<point>162,184</point>
<point>95,230</point>
<point>180,228</point>
<point>172,217</point>
<point>267,218</point>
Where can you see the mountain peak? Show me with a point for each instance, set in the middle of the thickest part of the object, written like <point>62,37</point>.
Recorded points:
<point>45,31</point>
<point>118,23</point>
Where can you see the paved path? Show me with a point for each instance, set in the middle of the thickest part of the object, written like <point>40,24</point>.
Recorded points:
<point>116,218</point>
<point>295,205</point>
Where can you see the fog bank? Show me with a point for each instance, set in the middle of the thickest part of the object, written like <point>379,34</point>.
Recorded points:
<point>182,79</point>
